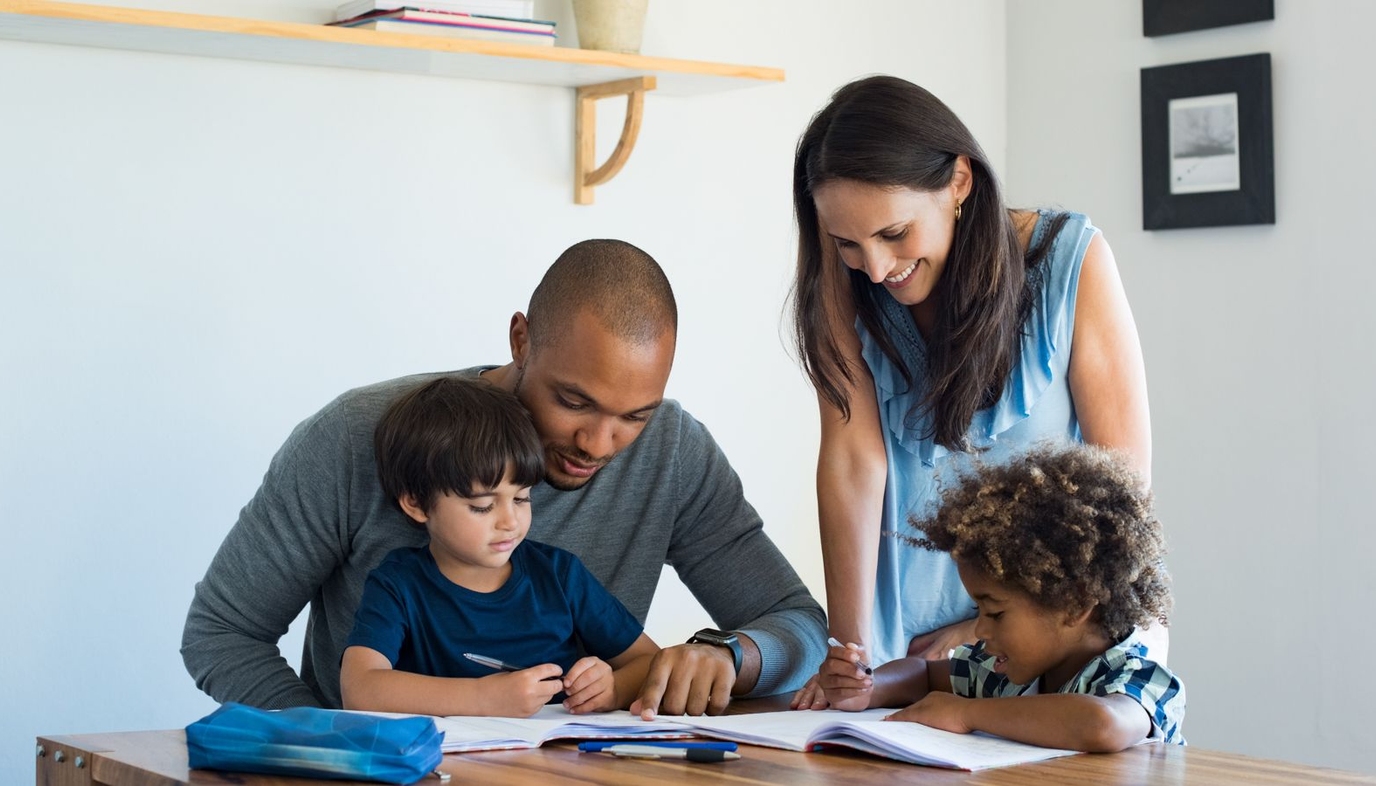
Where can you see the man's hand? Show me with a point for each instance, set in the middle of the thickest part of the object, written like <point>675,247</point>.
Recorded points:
<point>938,644</point>
<point>687,679</point>
<point>590,686</point>
<point>945,711</point>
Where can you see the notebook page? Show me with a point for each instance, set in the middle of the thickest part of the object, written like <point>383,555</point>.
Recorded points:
<point>789,729</point>
<point>472,733</point>
<point>918,744</point>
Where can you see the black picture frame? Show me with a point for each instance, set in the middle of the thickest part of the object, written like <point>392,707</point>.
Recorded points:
<point>1165,17</point>
<point>1201,178</point>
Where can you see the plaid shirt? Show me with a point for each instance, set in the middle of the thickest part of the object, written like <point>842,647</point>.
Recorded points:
<point>1123,668</point>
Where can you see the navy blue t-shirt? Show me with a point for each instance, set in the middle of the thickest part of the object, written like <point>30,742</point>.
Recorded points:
<point>550,605</point>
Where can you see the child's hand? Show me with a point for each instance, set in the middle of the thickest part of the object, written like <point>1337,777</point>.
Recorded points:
<point>520,694</point>
<point>945,711</point>
<point>810,696</point>
<point>590,686</point>
<point>842,679</point>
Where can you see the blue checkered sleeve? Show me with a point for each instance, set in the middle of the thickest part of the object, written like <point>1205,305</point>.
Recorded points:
<point>1124,669</point>
<point>973,675</point>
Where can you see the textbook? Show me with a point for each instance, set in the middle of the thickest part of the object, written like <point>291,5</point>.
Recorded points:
<point>796,730</point>
<point>868,732</point>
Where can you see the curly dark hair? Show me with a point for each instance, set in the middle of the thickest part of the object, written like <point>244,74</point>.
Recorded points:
<point>1072,526</point>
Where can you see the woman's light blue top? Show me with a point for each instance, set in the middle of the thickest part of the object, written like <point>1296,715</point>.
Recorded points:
<point>918,591</point>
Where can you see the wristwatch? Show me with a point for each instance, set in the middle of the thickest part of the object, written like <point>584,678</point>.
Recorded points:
<point>721,638</point>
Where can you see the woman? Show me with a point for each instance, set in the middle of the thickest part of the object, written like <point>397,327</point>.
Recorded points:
<point>938,326</point>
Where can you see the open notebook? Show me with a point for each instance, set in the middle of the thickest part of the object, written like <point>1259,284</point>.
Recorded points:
<point>466,733</point>
<point>868,732</point>
<point>798,731</point>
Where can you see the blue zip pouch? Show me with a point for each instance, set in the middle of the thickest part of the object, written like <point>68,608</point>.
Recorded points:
<point>315,743</point>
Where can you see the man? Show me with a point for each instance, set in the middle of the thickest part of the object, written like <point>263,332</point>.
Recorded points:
<point>633,483</point>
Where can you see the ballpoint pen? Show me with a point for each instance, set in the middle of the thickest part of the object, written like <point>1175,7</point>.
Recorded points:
<point>833,642</point>
<point>598,746</point>
<point>642,751</point>
<point>491,663</point>
<point>499,665</point>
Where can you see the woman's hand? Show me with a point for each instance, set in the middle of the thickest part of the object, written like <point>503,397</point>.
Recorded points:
<point>938,644</point>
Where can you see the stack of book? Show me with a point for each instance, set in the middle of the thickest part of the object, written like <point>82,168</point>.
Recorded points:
<point>491,20</point>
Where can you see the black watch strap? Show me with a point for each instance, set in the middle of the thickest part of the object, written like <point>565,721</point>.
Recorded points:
<point>721,638</point>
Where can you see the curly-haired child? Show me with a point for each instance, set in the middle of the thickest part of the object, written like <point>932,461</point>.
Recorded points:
<point>1062,554</point>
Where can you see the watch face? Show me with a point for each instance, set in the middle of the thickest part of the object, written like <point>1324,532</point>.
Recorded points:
<point>721,638</point>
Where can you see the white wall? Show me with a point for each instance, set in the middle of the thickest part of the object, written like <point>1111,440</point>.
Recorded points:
<point>1258,343</point>
<point>195,254</point>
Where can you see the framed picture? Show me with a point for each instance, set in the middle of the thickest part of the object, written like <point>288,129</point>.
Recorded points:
<point>1164,17</point>
<point>1206,144</point>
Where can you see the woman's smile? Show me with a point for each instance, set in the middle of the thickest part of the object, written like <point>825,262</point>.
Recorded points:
<point>897,281</point>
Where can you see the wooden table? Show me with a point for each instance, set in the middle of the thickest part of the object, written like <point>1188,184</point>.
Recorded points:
<point>158,758</point>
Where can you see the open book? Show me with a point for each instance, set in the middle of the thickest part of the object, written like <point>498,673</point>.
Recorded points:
<point>868,732</point>
<point>790,730</point>
<point>465,733</point>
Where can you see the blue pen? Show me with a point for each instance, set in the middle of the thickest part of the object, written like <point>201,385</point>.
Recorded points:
<point>599,745</point>
<point>701,755</point>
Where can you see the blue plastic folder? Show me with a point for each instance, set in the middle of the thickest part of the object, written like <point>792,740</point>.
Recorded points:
<point>315,743</point>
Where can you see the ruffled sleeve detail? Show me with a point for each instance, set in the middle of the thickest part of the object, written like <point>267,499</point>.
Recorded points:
<point>1045,344</point>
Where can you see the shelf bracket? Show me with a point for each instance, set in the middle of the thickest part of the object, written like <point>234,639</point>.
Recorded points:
<point>585,176</point>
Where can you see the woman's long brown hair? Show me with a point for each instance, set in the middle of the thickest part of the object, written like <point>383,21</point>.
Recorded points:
<point>889,132</point>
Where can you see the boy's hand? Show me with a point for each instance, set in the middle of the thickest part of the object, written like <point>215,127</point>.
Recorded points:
<point>945,711</point>
<point>520,694</point>
<point>590,686</point>
<point>843,681</point>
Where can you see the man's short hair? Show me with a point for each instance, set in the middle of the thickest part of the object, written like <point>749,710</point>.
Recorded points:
<point>619,284</point>
<point>457,436</point>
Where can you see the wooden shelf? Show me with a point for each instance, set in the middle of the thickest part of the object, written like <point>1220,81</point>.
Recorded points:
<point>116,27</point>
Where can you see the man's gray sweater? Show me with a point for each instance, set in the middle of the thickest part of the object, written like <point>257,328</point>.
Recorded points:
<point>320,522</point>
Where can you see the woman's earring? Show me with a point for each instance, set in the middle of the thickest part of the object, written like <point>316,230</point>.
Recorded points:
<point>957,212</point>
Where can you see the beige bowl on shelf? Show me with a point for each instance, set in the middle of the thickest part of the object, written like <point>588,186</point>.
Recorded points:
<point>610,25</point>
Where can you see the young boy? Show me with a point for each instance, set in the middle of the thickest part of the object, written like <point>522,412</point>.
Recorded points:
<point>459,457</point>
<point>1063,556</point>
